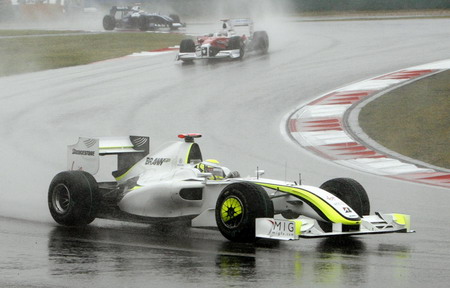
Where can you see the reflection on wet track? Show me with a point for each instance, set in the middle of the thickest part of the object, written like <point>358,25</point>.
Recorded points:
<point>129,255</point>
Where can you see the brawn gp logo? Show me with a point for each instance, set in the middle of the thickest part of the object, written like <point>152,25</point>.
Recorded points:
<point>156,161</point>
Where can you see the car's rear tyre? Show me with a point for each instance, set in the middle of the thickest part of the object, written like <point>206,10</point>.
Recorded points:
<point>73,198</point>
<point>175,18</point>
<point>349,191</point>
<point>109,22</point>
<point>237,207</point>
<point>260,42</point>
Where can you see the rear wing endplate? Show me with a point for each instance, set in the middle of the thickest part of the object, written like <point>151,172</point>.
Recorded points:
<point>84,155</point>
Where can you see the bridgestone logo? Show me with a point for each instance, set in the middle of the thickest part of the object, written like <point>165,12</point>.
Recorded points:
<point>83,152</point>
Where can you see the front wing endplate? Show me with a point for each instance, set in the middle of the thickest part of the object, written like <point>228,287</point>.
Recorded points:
<point>283,229</point>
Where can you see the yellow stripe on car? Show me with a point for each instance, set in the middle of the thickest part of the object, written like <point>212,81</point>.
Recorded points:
<point>318,202</point>
<point>298,226</point>
<point>124,174</point>
<point>187,154</point>
<point>114,147</point>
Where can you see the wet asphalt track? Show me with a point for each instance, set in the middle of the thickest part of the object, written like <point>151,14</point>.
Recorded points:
<point>240,108</point>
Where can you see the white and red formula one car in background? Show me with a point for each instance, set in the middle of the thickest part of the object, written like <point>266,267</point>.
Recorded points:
<point>176,185</point>
<point>225,43</point>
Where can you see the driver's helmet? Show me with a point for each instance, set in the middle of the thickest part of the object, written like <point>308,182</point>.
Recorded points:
<point>212,166</point>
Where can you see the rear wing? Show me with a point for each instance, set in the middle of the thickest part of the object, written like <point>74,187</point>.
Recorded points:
<point>235,22</point>
<point>121,8</point>
<point>238,22</point>
<point>115,9</point>
<point>85,154</point>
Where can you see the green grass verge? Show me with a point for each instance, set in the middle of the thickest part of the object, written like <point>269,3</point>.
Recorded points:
<point>413,120</point>
<point>34,32</point>
<point>30,54</point>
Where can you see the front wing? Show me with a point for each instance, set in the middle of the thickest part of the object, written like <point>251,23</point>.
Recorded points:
<point>233,54</point>
<point>282,229</point>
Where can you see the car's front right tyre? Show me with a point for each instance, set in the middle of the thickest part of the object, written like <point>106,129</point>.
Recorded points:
<point>187,46</point>
<point>351,192</point>
<point>236,43</point>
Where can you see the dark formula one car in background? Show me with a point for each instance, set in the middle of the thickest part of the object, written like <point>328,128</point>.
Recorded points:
<point>134,17</point>
<point>225,43</point>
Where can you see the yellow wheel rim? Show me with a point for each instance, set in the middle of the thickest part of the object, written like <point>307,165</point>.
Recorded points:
<point>231,212</point>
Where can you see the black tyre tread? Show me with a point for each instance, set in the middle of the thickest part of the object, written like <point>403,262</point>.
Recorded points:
<point>187,46</point>
<point>143,23</point>
<point>236,42</point>
<point>351,192</point>
<point>175,18</point>
<point>260,41</point>
<point>83,189</point>
<point>257,204</point>
<point>109,22</point>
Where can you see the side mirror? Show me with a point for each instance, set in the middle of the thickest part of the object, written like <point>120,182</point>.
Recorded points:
<point>259,173</point>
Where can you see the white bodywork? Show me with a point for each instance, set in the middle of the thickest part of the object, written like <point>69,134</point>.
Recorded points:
<point>202,52</point>
<point>167,185</point>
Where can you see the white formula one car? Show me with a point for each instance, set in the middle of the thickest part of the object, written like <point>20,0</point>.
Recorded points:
<point>226,43</point>
<point>175,184</point>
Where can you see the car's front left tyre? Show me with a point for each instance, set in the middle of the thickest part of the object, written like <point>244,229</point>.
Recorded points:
<point>235,43</point>
<point>73,198</point>
<point>237,207</point>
